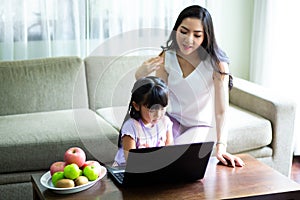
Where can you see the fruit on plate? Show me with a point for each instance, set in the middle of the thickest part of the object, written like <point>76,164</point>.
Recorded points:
<point>91,172</point>
<point>65,183</point>
<point>96,164</point>
<point>75,170</point>
<point>56,177</point>
<point>71,171</point>
<point>57,167</point>
<point>81,180</point>
<point>75,155</point>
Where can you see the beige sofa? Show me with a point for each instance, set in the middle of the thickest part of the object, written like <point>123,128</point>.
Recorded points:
<point>48,105</point>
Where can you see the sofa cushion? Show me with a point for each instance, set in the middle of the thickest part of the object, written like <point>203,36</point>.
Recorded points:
<point>40,85</point>
<point>110,79</point>
<point>113,115</point>
<point>247,131</point>
<point>34,141</point>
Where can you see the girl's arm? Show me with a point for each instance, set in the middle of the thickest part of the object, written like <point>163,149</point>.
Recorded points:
<point>169,140</point>
<point>128,143</point>
<point>221,112</point>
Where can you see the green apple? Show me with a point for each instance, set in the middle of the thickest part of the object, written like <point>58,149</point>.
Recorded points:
<point>57,176</point>
<point>90,172</point>
<point>71,171</point>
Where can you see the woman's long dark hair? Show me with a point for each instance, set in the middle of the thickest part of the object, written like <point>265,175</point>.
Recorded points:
<point>148,91</point>
<point>209,44</point>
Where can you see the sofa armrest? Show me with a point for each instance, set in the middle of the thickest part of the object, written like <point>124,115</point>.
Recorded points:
<point>278,109</point>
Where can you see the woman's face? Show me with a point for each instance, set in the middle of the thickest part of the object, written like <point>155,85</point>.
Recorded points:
<point>189,35</point>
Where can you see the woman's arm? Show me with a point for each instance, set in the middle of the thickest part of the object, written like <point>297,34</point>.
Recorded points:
<point>149,66</point>
<point>221,104</point>
<point>221,115</point>
<point>161,72</point>
<point>128,143</point>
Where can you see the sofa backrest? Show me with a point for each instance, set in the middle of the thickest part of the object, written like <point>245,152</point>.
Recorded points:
<point>39,85</point>
<point>110,79</point>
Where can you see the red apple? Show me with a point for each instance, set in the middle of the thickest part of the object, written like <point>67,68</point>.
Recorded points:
<point>96,166</point>
<point>75,155</point>
<point>57,167</point>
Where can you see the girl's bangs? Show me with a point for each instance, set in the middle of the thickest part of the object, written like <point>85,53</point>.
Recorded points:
<point>158,96</point>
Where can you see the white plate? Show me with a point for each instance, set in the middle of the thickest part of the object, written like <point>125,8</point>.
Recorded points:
<point>46,181</point>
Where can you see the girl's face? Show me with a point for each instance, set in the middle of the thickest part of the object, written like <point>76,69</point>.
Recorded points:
<point>189,35</point>
<point>151,116</point>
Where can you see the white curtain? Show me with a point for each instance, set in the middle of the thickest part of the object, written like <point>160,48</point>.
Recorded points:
<point>275,50</point>
<point>46,28</point>
<point>40,28</point>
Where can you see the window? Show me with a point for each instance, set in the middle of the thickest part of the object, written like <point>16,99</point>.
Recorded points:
<point>42,28</point>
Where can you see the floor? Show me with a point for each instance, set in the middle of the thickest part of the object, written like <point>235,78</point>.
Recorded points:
<point>295,175</point>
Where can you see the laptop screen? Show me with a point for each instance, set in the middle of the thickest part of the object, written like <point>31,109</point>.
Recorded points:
<point>185,162</point>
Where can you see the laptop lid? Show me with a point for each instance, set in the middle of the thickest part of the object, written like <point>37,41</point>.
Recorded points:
<point>174,163</point>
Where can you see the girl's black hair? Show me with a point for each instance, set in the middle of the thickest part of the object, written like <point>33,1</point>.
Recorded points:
<point>148,91</point>
<point>209,44</point>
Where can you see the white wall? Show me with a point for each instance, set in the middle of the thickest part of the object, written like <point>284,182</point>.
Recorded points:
<point>233,27</point>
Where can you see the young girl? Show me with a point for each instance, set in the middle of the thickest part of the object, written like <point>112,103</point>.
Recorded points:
<point>145,124</point>
<point>197,73</point>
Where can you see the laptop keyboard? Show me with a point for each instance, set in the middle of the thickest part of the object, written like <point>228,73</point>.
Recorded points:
<point>120,176</point>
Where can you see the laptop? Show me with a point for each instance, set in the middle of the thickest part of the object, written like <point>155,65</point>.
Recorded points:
<point>174,163</point>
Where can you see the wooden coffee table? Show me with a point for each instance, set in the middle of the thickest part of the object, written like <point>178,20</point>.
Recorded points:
<point>253,181</point>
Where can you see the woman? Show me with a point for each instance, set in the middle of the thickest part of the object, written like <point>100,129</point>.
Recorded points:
<point>196,71</point>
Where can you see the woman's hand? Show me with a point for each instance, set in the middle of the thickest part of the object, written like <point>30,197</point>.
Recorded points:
<point>149,66</point>
<point>225,157</point>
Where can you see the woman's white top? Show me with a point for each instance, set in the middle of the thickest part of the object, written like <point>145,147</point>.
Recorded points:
<point>191,100</point>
